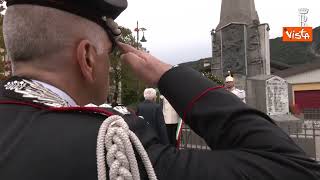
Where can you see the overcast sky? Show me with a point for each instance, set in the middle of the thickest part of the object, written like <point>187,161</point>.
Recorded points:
<point>179,30</point>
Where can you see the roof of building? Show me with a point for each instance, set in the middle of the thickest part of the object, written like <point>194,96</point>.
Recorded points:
<point>279,66</point>
<point>298,69</point>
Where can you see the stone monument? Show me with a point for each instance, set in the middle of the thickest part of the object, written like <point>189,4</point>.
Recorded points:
<point>240,44</point>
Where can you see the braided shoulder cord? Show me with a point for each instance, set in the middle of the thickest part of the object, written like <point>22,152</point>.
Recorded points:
<point>116,137</point>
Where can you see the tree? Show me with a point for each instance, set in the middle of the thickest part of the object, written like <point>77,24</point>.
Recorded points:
<point>212,77</point>
<point>2,52</point>
<point>5,66</point>
<point>2,6</point>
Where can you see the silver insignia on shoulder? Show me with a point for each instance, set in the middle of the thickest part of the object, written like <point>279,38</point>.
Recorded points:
<point>36,92</point>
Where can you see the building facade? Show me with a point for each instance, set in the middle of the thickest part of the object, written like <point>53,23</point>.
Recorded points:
<point>305,82</point>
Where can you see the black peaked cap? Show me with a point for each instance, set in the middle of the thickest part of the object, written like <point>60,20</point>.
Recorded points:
<point>93,10</point>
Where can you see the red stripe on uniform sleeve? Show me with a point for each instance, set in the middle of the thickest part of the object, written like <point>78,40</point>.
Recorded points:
<point>197,98</point>
<point>190,106</point>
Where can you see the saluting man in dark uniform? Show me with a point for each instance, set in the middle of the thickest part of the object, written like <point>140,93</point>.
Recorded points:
<point>59,50</point>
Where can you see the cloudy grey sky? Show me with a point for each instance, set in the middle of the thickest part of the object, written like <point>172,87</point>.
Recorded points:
<point>179,30</point>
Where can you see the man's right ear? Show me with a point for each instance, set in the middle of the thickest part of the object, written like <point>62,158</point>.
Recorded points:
<point>85,57</point>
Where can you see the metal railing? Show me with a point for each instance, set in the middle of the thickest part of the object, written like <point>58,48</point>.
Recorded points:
<point>311,113</point>
<point>190,140</point>
<point>306,135</point>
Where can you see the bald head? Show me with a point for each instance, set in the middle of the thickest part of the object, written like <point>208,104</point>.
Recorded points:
<point>36,32</point>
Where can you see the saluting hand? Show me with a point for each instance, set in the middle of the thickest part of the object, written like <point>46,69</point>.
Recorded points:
<point>148,68</point>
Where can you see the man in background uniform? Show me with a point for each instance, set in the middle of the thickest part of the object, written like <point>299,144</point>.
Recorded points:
<point>60,55</point>
<point>230,86</point>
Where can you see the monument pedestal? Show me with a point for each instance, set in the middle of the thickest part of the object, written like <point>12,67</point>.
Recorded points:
<point>288,123</point>
<point>269,93</point>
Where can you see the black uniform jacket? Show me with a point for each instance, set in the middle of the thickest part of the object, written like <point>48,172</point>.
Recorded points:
<point>152,113</point>
<point>41,142</point>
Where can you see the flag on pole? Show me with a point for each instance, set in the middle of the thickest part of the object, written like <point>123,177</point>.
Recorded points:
<point>179,132</point>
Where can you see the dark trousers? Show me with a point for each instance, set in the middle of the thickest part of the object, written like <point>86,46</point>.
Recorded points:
<point>171,130</point>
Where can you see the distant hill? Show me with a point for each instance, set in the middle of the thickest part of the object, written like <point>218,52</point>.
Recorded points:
<point>296,53</point>
<point>283,55</point>
<point>198,65</point>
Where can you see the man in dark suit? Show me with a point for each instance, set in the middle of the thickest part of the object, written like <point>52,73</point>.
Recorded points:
<point>152,113</point>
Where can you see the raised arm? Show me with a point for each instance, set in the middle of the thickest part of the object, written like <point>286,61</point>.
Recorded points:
<point>245,143</point>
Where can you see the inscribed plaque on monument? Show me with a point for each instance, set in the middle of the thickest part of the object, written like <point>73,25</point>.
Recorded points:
<point>277,96</point>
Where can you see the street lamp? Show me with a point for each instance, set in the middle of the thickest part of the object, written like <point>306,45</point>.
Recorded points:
<point>143,39</point>
<point>142,29</point>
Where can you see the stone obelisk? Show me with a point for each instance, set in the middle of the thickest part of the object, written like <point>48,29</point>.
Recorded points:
<point>240,44</point>
<point>241,11</point>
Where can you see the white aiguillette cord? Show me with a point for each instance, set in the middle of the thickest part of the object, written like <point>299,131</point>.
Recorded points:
<point>116,137</point>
